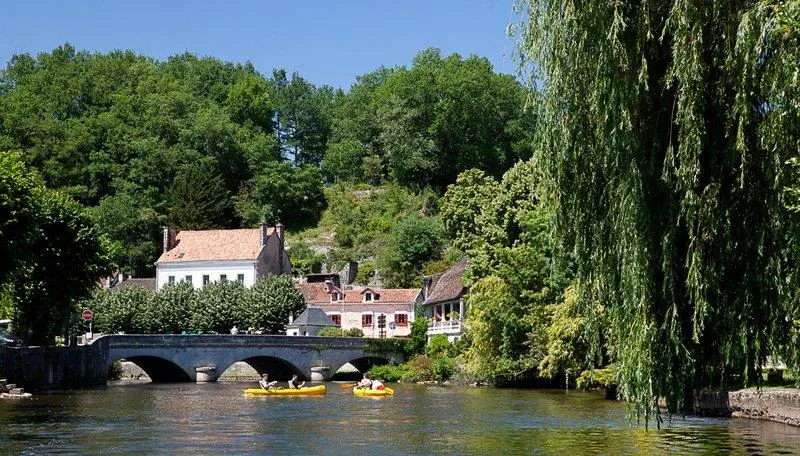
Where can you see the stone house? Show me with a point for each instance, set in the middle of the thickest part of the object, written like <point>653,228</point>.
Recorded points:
<point>359,307</point>
<point>444,302</point>
<point>205,256</point>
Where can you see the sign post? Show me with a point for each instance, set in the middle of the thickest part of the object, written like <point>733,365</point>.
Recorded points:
<point>382,326</point>
<point>87,315</point>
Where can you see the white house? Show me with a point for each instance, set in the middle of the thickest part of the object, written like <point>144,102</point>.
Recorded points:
<point>202,257</point>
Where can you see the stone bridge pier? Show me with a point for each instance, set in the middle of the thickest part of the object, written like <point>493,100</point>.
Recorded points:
<point>203,358</point>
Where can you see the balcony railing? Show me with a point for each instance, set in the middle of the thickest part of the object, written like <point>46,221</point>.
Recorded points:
<point>451,326</point>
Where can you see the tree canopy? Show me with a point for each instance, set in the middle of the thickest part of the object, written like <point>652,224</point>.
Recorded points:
<point>664,129</point>
<point>199,143</point>
<point>147,143</point>
<point>53,253</point>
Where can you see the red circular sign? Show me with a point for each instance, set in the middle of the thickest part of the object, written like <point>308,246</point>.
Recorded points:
<point>87,314</point>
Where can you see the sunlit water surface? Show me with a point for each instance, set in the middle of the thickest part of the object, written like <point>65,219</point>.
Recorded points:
<point>215,418</point>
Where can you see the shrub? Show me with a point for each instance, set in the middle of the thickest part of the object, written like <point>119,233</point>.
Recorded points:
<point>444,367</point>
<point>419,336</point>
<point>354,332</point>
<point>304,259</point>
<point>388,372</point>
<point>383,346</point>
<point>366,271</point>
<point>599,378</point>
<point>115,371</point>
<point>330,332</point>
<point>438,346</point>
<point>419,369</point>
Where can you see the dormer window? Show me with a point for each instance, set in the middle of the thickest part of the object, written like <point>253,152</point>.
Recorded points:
<point>335,296</point>
<point>368,296</point>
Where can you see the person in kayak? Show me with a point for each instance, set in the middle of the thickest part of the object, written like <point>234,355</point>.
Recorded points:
<point>265,383</point>
<point>377,385</point>
<point>294,383</point>
<point>365,382</point>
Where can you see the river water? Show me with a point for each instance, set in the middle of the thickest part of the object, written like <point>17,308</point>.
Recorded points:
<point>214,418</point>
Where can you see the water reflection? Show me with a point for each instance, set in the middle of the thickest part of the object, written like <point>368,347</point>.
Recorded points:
<point>215,418</point>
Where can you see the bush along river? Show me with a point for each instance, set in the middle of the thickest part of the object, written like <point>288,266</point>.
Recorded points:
<point>214,418</point>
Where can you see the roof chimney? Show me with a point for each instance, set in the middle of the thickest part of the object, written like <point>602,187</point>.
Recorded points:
<point>169,238</point>
<point>426,287</point>
<point>264,230</point>
<point>279,229</point>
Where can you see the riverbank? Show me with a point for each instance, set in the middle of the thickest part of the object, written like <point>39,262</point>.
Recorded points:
<point>771,404</point>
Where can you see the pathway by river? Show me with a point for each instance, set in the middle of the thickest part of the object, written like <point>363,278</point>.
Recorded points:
<point>214,418</point>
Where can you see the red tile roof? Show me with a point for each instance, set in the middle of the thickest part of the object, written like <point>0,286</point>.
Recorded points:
<point>316,294</point>
<point>215,245</point>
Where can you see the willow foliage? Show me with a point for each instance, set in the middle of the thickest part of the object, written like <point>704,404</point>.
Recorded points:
<point>665,127</point>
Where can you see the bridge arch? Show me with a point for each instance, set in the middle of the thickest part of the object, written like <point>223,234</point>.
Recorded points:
<point>363,363</point>
<point>159,370</point>
<point>277,368</point>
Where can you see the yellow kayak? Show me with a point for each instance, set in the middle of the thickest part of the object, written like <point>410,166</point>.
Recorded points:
<point>307,391</point>
<point>373,393</point>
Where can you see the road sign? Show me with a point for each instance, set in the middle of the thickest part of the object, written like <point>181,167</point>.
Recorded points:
<point>392,325</point>
<point>87,314</point>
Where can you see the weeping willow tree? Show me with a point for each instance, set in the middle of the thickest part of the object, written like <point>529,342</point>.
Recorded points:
<point>664,135</point>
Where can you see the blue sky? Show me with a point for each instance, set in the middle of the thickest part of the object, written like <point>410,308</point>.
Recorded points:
<point>326,42</point>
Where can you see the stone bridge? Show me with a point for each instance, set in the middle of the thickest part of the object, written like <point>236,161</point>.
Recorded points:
<point>203,358</point>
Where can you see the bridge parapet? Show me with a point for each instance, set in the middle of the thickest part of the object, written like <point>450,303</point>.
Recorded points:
<point>219,340</point>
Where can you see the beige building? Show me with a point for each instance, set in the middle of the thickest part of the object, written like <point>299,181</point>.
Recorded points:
<point>360,307</point>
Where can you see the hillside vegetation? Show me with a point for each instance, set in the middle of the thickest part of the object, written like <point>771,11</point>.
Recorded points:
<point>197,143</point>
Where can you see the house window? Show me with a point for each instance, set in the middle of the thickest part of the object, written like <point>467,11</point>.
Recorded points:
<point>206,279</point>
<point>401,319</point>
<point>223,277</point>
<point>171,279</point>
<point>366,320</point>
<point>188,279</point>
<point>336,319</point>
<point>367,297</point>
<point>335,296</point>
<point>240,278</point>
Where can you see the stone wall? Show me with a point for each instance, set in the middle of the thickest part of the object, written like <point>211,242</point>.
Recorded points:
<point>781,405</point>
<point>37,368</point>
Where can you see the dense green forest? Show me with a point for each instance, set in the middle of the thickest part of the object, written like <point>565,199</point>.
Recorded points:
<point>198,143</point>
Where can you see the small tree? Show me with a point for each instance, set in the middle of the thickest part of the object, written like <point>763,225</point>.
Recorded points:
<point>270,302</point>
<point>419,335</point>
<point>413,242</point>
